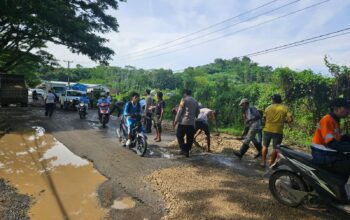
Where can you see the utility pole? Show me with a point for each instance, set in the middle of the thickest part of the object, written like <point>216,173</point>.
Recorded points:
<point>68,66</point>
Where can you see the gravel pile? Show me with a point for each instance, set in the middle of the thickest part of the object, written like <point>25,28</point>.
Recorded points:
<point>13,205</point>
<point>202,192</point>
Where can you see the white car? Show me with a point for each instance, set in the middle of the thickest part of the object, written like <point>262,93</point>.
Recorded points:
<point>70,99</point>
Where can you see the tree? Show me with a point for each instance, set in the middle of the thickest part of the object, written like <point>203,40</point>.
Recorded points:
<point>342,79</point>
<point>26,26</point>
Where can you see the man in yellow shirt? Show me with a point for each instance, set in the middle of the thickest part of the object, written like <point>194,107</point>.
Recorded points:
<point>276,115</point>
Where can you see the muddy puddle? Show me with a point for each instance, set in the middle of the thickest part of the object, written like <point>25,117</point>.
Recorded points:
<point>62,185</point>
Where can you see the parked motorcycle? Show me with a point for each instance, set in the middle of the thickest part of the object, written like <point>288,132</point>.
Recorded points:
<point>82,110</point>
<point>138,137</point>
<point>103,113</point>
<point>297,180</point>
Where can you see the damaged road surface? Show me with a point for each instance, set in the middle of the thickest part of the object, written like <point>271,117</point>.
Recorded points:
<point>61,184</point>
<point>72,168</point>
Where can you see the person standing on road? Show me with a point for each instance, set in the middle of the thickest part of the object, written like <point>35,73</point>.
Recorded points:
<point>158,118</point>
<point>202,124</point>
<point>276,115</point>
<point>34,95</point>
<point>49,104</point>
<point>186,118</point>
<point>118,106</point>
<point>92,99</point>
<point>252,123</point>
<point>109,97</point>
<point>148,111</point>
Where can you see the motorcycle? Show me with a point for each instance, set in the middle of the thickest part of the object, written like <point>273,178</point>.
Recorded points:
<point>103,113</point>
<point>138,137</point>
<point>297,180</point>
<point>82,110</point>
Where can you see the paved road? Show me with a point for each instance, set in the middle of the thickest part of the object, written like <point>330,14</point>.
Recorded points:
<point>123,168</point>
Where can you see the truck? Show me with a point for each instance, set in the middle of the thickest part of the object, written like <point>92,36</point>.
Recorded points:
<point>70,99</point>
<point>13,90</point>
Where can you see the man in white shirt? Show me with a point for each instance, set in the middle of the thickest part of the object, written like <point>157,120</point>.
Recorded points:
<point>202,123</point>
<point>49,103</point>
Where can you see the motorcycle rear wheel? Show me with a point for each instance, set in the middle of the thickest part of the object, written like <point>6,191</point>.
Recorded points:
<point>281,195</point>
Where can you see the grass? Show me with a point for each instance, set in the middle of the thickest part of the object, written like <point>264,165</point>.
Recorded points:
<point>291,137</point>
<point>236,131</point>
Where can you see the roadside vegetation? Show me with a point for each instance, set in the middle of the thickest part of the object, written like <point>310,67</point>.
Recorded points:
<point>221,84</point>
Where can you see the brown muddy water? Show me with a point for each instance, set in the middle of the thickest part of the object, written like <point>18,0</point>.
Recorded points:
<point>62,185</point>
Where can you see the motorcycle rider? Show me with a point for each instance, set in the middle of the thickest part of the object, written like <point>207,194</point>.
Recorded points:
<point>132,113</point>
<point>328,144</point>
<point>85,100</point>
<point>102,99</point>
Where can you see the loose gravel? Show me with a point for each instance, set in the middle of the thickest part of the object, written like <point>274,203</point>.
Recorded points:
<point>13,206</point>
<point>202,192</point>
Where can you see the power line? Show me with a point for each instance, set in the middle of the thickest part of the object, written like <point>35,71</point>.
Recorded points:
<point>205,28</point>
<point>219,30</point>
<point>241,30</point>
<point>301,42</point>
<point>318,38</point>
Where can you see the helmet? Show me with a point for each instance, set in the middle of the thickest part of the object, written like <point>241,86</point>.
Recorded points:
<point>340,102</point>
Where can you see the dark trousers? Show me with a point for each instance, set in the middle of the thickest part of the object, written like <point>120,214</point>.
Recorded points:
<point>342,167</point>
<point>49,107</point>
<point>189,131</point>
<point>148,123</point>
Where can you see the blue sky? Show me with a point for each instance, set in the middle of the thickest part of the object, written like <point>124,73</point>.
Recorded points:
<point>146,23</point>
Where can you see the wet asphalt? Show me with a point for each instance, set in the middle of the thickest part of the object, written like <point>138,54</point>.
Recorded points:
<point>124,170</point>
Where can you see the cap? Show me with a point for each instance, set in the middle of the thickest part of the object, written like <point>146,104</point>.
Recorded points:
<point>340,102</point>
<point>243,101</point>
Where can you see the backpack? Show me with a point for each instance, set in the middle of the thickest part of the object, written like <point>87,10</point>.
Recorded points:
<point>255,112</point>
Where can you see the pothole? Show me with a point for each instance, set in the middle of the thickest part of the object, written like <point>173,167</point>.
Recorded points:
<point>63,185</point>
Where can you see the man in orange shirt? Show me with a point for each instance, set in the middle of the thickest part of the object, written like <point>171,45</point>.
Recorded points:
<point>329,146</point>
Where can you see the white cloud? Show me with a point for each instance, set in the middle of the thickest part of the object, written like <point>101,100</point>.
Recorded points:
<point>152,22</point>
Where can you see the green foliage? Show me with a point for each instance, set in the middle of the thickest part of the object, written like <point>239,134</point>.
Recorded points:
<point>220,86</point>
<point>26,26</point>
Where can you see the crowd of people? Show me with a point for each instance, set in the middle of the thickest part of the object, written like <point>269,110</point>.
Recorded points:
<point>330,148</point>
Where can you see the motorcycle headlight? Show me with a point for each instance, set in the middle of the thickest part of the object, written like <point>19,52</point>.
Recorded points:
<point>70,100</point>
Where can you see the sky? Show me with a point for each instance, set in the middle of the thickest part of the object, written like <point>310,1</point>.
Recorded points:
<point>144,24</point>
